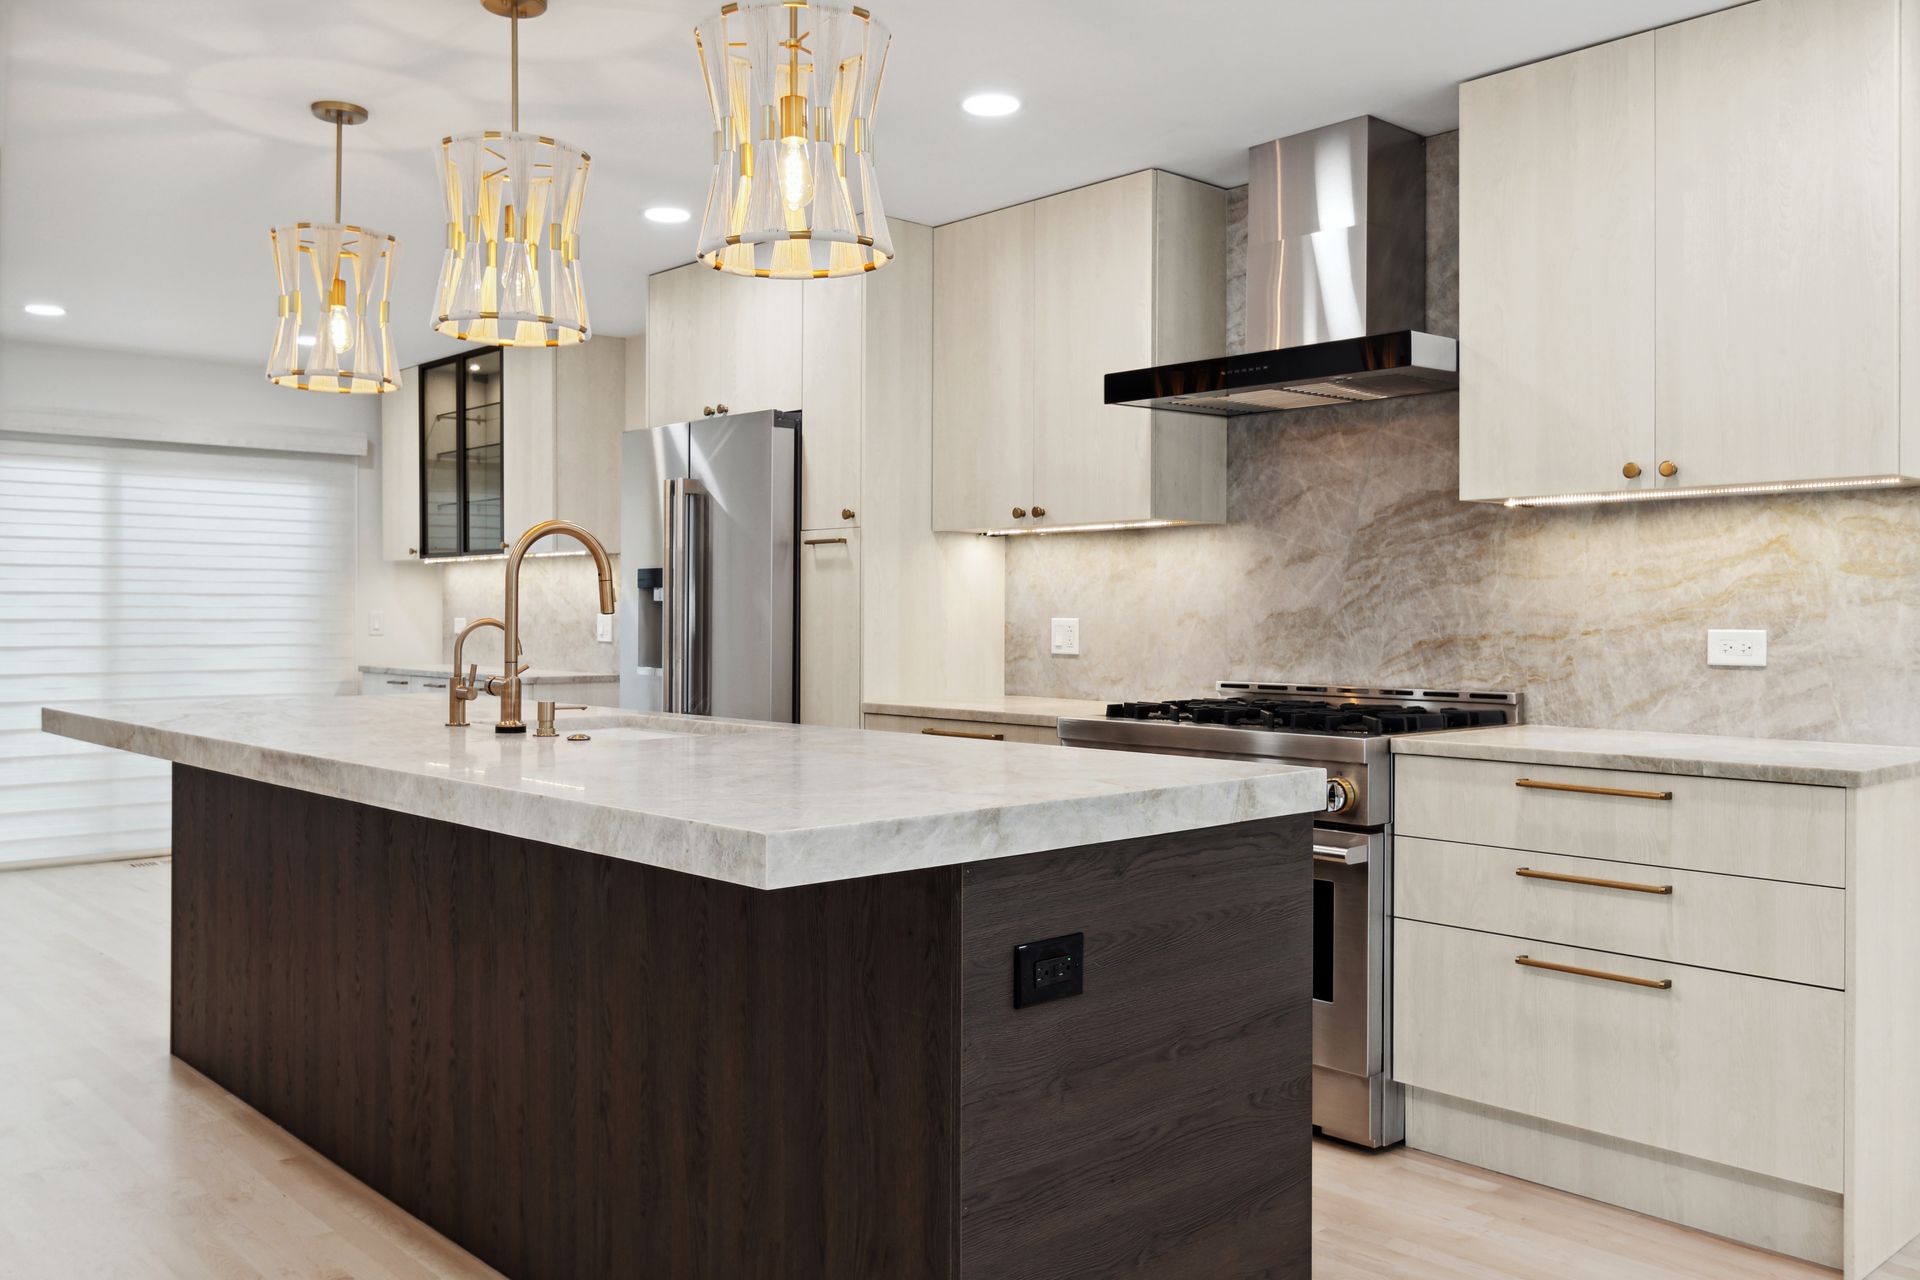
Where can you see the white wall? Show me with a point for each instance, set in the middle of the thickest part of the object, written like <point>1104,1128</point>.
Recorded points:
<point>54,389</point>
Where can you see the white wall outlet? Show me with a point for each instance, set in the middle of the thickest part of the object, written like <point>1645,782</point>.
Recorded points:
<point>376,622</point>
<point>1736,648</point>
<point>603,627</point>
<point>1066,635</point>
<point>459,625</point>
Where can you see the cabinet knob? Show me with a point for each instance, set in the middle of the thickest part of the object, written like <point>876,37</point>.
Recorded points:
<point>720,408</point>
<point>1631,471</point>
<point>706,411</point>
<point>1668,469</point>
<point>413,551</point>
<point>1019,513</point>
<point>1038,512</point>
<point>846,513</point>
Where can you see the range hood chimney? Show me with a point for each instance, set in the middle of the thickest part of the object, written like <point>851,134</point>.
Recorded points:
<point>1336,283</point>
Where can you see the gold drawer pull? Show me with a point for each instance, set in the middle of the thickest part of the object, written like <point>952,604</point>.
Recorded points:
<point>1534,785</point>
<point>962,733</point>
<point>1530,874</point>
<point>823,542</point>
<point>1658,984</point>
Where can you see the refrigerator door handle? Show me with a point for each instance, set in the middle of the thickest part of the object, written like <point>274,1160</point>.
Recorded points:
<point>684,638</point>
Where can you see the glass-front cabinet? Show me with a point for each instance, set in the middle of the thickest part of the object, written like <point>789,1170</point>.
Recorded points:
<point>460,473</point>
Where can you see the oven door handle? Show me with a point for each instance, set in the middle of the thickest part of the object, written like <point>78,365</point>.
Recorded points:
<point>1353,856</point>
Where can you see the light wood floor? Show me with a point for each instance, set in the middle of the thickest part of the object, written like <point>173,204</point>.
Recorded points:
<point>116,1161</point>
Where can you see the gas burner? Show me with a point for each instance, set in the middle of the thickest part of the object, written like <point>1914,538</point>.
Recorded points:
<point>1370,719</point>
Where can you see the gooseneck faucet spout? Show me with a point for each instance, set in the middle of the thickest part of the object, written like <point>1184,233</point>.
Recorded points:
<point>463,689</point>
<point>507,684</point>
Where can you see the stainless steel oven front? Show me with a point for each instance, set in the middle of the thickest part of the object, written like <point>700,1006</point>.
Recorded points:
<point>1354,1097</point>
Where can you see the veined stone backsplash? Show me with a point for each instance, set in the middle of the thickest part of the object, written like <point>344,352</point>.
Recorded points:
<point>1348,557</point>
<point>559,599</point>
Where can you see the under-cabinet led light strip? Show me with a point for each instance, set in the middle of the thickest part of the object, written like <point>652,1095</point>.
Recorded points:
<point>1706,491</point>
<point>501,555</point>
<point>1084,528</point>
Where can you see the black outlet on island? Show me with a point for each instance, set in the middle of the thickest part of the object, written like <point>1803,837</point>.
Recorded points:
<point>1049,970</point>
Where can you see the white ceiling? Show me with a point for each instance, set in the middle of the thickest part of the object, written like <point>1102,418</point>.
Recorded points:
<point>147,145</point>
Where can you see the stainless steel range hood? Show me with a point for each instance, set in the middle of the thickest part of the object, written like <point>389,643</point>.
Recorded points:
<point>1336,283</point>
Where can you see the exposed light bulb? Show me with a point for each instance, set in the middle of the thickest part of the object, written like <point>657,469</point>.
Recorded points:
<point>339,323</point>
<point>796,172</point>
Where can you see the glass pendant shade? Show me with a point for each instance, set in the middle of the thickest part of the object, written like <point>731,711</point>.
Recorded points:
<point>511,275</point>
<point>793,88</point>
<point>334,281</point>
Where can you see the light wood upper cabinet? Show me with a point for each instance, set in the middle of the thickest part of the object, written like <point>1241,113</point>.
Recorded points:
<point>1556,275</point>
<point>1684,252</point>
<point>983,353</point>
<point>716,339</point>
<point>1779,242</point>
<point>832,389</point>
<point>1034,306</point>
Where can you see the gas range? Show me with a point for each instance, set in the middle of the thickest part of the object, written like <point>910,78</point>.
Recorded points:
<point>1347,730</point>
<point>1344,729</point>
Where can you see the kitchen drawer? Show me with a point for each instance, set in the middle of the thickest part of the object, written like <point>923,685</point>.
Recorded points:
<point>1741,1071</point>
<point>375,683</point>
<point>992,730</point>
<point>1768,928</point>
<point>1772,830</point>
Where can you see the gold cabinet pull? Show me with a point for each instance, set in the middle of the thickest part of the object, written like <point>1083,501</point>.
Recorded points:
<point>962,733</point>
<point>1529,873</point>
<point>1631,471</point>
<point>1658,984</point>
<point>1578,789</point>
<point>1669,470</point>
<point>1039,512</point>
<point>822,542</point>
<point>1019,513</point>
<point>846,513</point>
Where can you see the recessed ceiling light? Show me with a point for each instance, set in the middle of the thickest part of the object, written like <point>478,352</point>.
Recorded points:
<point>45,309</point>
<point>666,213</point>
<point>473,366</point>
<point>307,339</point>
<point>990,104</point>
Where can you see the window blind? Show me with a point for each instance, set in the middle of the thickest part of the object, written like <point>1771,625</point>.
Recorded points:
<point>133,570</point>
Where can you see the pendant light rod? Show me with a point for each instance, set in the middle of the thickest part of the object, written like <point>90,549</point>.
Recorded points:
<point>339,115</point>
<point>514,10</point>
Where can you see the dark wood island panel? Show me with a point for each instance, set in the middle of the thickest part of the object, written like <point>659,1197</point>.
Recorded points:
<point>577,1066</point>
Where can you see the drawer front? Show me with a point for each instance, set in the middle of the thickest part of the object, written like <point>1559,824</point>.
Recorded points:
<point>984,729</point>
<point>377,683</point>
<point>1741,1071</point>
<point>1767,928</point>
<point>1772,830</point>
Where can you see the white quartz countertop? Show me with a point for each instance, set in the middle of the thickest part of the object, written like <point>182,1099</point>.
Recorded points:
<point>442,671</point>
<point>1007,709</point>
<point>756,804</point>
<point>1825,764</point>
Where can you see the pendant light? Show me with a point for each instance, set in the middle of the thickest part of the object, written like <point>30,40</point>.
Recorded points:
<point>334,280</point>
<point>793,87</point>
<point>511,274</point>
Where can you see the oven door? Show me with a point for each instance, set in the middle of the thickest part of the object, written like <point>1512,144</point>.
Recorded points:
<point>1349,959</point>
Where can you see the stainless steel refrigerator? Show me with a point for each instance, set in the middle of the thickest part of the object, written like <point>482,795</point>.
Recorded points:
<point>708,529</point>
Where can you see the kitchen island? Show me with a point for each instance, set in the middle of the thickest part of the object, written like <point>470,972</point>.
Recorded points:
<point>698,998</point>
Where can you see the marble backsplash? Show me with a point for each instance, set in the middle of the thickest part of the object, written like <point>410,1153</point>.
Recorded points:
<point>559,598</point>
<point>1348,557</point>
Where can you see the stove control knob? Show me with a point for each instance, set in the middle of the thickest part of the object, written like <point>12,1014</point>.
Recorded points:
<point>1341,795</point>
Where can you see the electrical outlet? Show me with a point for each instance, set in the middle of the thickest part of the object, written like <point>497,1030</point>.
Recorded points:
<point>603,627</point>
<point>376,622</point>
<point>1736,648</point>
<point>1066,636</point>
<point>459,625</point>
